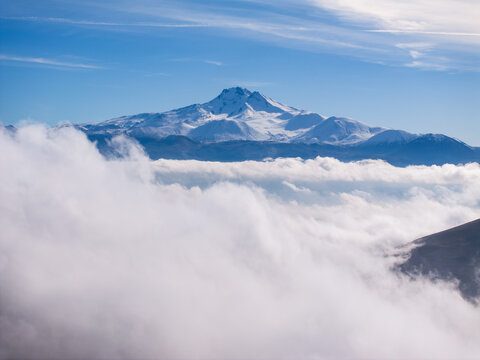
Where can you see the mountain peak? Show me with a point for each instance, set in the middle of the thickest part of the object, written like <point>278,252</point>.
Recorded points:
<point>236,101</point>
<point>234,92</point>
<point>229,101</point>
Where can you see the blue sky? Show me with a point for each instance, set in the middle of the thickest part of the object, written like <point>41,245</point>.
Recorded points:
<point>412,65</point>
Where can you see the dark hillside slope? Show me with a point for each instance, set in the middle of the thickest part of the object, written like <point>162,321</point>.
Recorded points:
<point>450,254</point>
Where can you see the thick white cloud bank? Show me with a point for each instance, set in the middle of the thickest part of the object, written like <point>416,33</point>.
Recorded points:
<point>133,259</point>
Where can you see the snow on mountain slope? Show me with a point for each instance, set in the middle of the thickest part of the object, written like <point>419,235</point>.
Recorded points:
<point>304,121</point>
<point>391,136</point>
<point>238,114</point>
<point>223,130</point>
<point>339,130</point>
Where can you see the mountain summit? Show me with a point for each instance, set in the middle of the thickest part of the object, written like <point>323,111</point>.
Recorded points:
<point>236,101</point>
<point>263,127</point>
<point>239,114</point>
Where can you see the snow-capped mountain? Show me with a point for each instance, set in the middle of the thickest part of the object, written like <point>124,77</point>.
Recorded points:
<point>239,114</point>
<point>243,125</point>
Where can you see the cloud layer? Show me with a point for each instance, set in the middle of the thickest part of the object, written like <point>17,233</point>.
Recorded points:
<point>195,260</point>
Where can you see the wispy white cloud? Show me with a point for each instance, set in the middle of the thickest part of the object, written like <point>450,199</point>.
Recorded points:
<point>213,62</point>
<point>435,17</point>
<point>364,29</point>
<point>271,28</point>
<point>442,33</point>
<point>414,45</point>
<point>104,23</point>
<point>415,54</point>
<point>451,28</point>
<point>155,74</point>
<point>44,61</point>
<point>278,27</point>
<point>192,59</point>
<point>425,65</point>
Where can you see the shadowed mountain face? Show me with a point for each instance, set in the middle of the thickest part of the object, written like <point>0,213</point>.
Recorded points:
<point>450,254</point>
<point>180,147</point>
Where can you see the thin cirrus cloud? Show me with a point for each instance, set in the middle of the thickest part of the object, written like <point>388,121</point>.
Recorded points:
<point>205,61</point>
<point>102,23</point>
<point>285,28</point>
<point>44,61</point>
<point>367,29</point>
<point>443,23</point>
<point>425,32</point>
<point>364,29</point>
<point>432,17</point>
<point>424,65</point>
<point>213,62</point>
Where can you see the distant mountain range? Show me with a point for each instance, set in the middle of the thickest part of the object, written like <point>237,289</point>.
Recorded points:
<point>452,254</point>
<point>243,125</point>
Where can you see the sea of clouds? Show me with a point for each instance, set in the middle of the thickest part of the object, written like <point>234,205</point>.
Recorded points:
<point>281,259</point>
